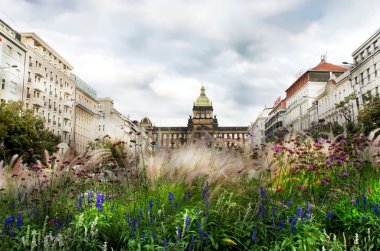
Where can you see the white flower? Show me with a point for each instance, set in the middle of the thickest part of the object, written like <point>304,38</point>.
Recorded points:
<point>104,248</point>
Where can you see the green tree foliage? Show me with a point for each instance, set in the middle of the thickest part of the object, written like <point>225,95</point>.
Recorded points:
<point>369,115</point>
<point>23,133</point>
<point>345,107</point>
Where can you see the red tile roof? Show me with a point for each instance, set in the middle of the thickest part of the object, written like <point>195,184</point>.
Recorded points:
<point>324,66</point>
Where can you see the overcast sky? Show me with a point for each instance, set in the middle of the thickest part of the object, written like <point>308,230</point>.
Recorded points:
<point>151,56</point>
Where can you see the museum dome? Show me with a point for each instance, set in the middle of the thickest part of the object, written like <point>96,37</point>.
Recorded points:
<point>202,100</point>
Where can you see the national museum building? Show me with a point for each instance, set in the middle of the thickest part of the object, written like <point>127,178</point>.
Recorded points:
<point>203,125</point>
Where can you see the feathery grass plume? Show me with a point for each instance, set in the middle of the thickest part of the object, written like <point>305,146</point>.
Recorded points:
<point>197,160</point>
<point>374,146</point>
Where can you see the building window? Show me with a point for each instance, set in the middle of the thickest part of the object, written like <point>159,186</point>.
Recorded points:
<point>3,84</point>
<point>374,68</point>
<point>362,78</point>
<point>368,75</point>
<point>13,87</point>
<point>8,50</point>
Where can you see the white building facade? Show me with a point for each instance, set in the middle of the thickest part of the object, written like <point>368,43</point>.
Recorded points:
<point>301,95</point>
<point>12,64</point>
<point>257,129</point>
<point>48,86</point>
<point>365,71</point>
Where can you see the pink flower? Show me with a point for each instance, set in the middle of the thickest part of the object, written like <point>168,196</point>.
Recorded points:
<point>299,186</point>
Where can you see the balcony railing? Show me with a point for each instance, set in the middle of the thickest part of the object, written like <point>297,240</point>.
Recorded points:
<point>38,101</point>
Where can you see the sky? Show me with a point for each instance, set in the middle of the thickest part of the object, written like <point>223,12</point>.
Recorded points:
<point>152,56</point>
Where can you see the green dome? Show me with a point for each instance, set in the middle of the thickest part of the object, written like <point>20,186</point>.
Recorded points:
<point>202,100</point>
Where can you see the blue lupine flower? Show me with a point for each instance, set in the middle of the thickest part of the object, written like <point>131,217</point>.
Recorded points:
<point>299,212</point>
<point>262,192</point>
<point>201,234</point>
<point>79,202</point>
<point>254,234</point>
<point>143,236</point>
<point>191,242</point>
<point>171,198</point>
<point>364,218</point>
<point>99,201</point>
<point>187,222</point>
<point>290,203</point>
<point>293,222</point>
<point>178,233</point>
<point>376,208</point>
<point>364,202</point>
<point>166,245</point>
<point>330,214</point>
<point>308,211</point>
<point>150,203</point>
<point>281,226</point>
<point>19,221</point>
<point>8,223</point>
<point>89,197</point>
<point>274,209</point>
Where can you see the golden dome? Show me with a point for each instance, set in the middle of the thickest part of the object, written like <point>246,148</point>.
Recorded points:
<point>203,100</point>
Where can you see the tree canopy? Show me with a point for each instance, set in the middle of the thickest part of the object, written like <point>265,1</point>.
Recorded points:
<point>369,115</point>
<point>23,133</point>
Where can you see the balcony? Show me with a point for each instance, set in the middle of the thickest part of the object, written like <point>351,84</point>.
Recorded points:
<point>66,90</point>
<point>68,103</point>
<point>38,101</point>
<point>39,86</point>
<point>66,128</point>
<point>66,116</point>
<point>86,106</point>
<point>39,71</point>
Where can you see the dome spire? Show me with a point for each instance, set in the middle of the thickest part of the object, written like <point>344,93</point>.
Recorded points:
<point>202,100</point>
<point>203,90</point>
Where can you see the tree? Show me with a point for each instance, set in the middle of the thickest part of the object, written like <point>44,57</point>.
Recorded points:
<point>345,107</point>
<point>23,133</point>
<point>369,115</point>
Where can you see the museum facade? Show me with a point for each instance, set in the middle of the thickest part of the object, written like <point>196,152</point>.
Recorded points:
<point>202,125</point>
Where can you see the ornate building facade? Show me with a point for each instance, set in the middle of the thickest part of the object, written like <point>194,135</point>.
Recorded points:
<point>202,125</point>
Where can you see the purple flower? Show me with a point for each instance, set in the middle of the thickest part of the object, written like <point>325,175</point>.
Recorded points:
<point>150,203</point>
<point>89,197</point>
<point>187,222</point>
<point>178,232</point>
<point>166,245</point>
<point>171,198</point>
<point>299,186</point>
<point>308,211</point>
<point>191,242</point>
<point>254,234</point>
<point>19,221</point>
<point>262,192</point>
<point>99,201</point>
<point>330,214</point>
<point>299,212</point>
<point>79,202</point>
<point>277,149</point>
<point>345,175</point>
<point>353,201</point>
